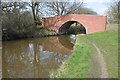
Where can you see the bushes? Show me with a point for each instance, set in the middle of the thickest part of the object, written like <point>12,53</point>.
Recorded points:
<point>44,31</point>
<point>19,23</point>
<point>77,29</point>
<point>15,25</point>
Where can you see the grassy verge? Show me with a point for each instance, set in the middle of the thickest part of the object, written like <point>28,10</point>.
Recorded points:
<point>115,24</point>
<point>108,43</point>
<point>78,66</point>
<point>83,62</point>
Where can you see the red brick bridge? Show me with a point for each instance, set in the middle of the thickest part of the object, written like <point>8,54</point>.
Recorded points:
<point>60,24</point>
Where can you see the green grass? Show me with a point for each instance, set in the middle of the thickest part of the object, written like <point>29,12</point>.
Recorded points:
<point>83,62</point>
<point>78,66</point>
<point>108,43</point>
<point>114,24</point>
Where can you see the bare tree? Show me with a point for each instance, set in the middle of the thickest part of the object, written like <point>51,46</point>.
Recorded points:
<point>119,12</point>
<point>62,8</point>
<point>84,11</point>
<point>35,7</point>
<point>12,7</point>
<point>16,20</point>
<point>113,12</point>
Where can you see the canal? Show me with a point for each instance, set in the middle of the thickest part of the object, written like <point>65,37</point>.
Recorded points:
<point>35,57</point>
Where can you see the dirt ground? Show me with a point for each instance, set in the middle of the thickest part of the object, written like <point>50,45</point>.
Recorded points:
<point>104,73</point>
<point>111,26</point>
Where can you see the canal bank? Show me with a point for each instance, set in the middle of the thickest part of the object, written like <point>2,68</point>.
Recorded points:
<point>35,33</point>
<point>85,62</point>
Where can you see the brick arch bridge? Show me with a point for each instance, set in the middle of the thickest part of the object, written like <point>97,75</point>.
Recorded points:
<point>92,23</point>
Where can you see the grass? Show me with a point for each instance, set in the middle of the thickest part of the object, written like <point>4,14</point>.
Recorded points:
<point>114,24</point>
<point>83,62</point>
<point>108,43</point>
<point>78,66</point>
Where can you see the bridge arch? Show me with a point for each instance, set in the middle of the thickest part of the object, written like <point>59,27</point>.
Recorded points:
<point>92,23</point>
<point>65,27</point>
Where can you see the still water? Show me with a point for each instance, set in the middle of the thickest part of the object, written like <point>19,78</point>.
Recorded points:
<point>35,58</point>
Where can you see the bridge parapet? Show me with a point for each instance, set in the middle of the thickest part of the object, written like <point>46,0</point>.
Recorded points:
<point>92,23</point>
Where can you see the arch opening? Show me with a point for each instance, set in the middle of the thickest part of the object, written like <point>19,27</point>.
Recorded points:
<point>72,27</point>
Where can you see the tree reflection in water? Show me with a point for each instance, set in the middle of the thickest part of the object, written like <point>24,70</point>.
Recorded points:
<point>34,58</point>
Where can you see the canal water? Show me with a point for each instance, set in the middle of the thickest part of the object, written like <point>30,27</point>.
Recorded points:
<point>36,57</point>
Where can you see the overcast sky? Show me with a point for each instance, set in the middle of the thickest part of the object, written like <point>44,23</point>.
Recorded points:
<point>100,6</point>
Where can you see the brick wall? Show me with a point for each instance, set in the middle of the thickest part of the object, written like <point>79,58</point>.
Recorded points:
<point>92,23</point>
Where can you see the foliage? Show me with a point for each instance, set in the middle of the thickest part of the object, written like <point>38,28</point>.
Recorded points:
<point>22,18</point>
<point>77,28</point>
<point>14,25</point>
<point>35,7</point>
<point>44,31</point>
<point>62,8</point>
<point>15,21</point>
<point>19,22</point>
<point>113,13</point>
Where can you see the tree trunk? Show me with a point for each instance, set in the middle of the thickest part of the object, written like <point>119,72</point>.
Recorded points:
<point>33,11</point>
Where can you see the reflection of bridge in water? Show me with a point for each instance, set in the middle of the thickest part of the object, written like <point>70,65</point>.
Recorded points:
<point>34,58</point>
<point>59,45</point>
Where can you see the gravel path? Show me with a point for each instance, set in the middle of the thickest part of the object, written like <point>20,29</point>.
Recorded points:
<point>104,73</point>
<point>111,26</point>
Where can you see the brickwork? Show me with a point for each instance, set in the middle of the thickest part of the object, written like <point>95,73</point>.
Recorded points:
<point>92,23</point>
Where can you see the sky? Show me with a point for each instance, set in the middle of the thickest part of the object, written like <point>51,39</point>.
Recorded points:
<point>100,6</point>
